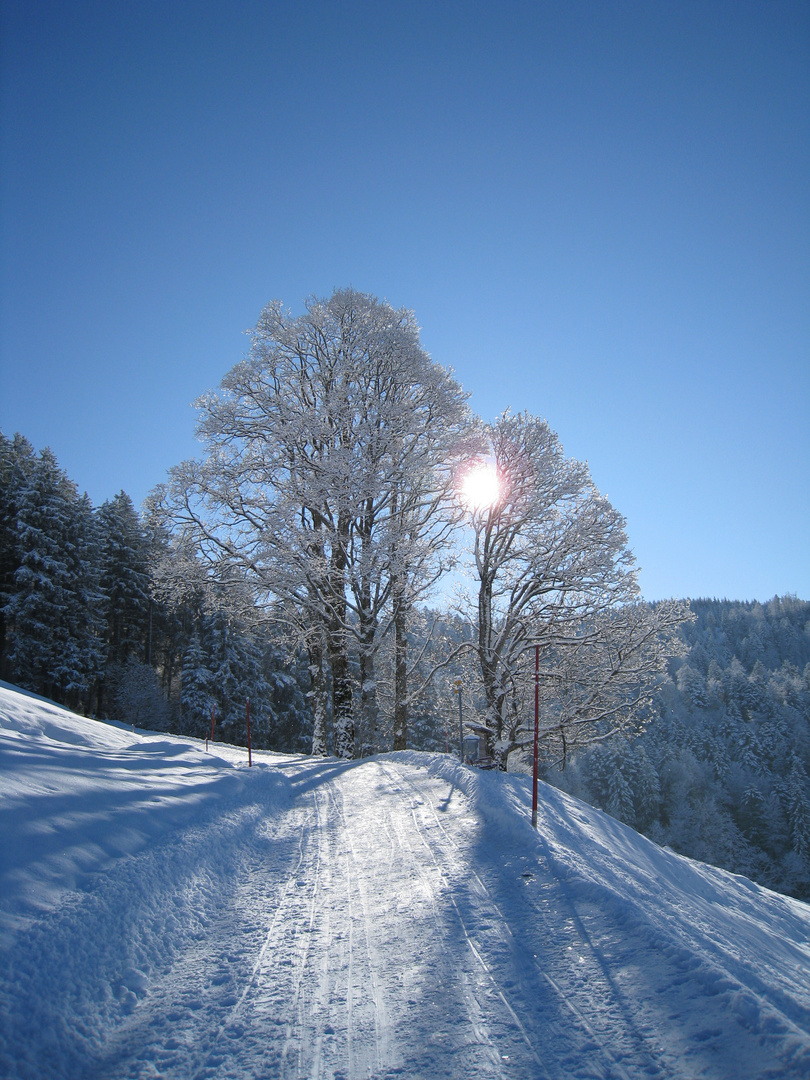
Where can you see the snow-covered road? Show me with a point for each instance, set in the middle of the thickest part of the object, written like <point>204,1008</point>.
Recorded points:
<point>170,913</point>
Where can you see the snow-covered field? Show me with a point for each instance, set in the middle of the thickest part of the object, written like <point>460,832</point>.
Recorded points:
<point>167,912</point>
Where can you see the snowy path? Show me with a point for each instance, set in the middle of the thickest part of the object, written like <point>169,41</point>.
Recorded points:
<point>351,948</point>
<point>395,917</point>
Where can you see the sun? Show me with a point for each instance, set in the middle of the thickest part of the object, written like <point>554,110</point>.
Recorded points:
<point>479,486</point>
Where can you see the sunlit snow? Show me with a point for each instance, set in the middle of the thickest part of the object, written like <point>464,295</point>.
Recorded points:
<point>169,912</point>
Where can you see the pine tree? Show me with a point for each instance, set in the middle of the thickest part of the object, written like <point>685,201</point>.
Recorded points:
<point>223,668</point>
<point>124,579</point>
<point>239,677</point>
<point>797,800</point>
<point>197,695</point>
<point>52,611</point>
<point>138,698</point>
<point>291,727</point>
<point>17,463</point>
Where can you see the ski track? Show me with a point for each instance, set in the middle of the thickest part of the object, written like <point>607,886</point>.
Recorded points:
<point>589,1046</point>
<point>339,921</point>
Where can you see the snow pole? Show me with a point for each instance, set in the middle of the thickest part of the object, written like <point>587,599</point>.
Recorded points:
<point>460,723</point>
<point>536,731</point>
<point>247,713</point>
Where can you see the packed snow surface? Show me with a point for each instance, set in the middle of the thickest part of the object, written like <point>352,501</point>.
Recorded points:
<point>170,912</point>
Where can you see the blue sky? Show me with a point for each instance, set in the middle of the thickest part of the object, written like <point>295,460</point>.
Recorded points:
<point>598,211</point>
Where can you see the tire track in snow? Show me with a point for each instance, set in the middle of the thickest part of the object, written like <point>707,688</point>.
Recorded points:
<point>315,965</point>
<point>473,1006</point>
<point>475,949</point>
<point>383,1049</point>
<point>332,1019</point>
<point>113,949</point>
<point>189,1020</point>
<point>475,1011</point>
<point>610,1000</point>
<point>269,937</point>
<point>304,971</point>
<point>235,1031</point>
<point>278,1018</point>
<point>302,959</point>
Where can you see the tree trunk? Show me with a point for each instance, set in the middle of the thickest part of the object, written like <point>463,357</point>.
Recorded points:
<point>342,714</point>
<point>368,696</point>
<point>369,712</point>
<point>400,677</point>
<point>317,693</point>
<point>490,675</point>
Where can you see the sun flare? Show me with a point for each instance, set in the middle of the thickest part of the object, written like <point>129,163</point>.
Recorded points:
<point>479,488</point>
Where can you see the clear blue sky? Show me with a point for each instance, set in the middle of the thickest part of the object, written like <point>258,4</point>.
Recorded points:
<point>599,211</point>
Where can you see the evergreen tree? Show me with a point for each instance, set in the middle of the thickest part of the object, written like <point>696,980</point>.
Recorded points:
<point>292,722</point>
<point>51,614</point>
<point>125,588</point>
<point>17,463</point>
<point>797,799</point>
<point>137,697</point>
<point>197,695</point>
<point>124,579</point>
<point>223,668</point>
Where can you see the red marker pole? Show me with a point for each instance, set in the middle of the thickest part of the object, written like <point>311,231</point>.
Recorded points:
<point>247,708</point>
<point>536,731</point>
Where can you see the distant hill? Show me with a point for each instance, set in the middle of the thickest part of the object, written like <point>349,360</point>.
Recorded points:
<point>721,774</point>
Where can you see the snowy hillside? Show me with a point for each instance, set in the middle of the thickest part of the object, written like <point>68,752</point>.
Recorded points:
<point>167,912</point>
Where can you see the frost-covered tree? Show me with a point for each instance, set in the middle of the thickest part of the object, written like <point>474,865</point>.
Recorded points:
<point>328,453</point>
<point>137,697</point>
<point>17,464</point>
<point>198,696</point>
<point>553,570</point>
<point>51,598</point>
<point>124,578</point>
<point>797,798</point>
<point>433,665</point>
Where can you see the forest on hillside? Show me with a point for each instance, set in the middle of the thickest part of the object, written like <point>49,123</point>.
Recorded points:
<point>86,618</point>
<point>721,771</point>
